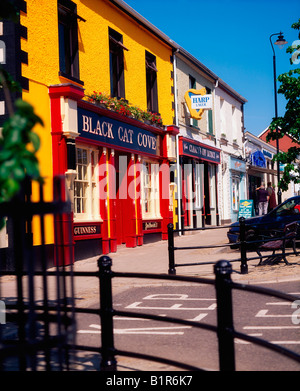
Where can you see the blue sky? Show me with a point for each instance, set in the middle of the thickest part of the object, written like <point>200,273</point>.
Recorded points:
<point>232,39</point>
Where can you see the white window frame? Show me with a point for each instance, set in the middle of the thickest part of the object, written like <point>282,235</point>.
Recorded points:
<point>199,167</point>
<point>212,185</point>
<point>88,176</point>
<point>236,181</point>
<point>150,181</point>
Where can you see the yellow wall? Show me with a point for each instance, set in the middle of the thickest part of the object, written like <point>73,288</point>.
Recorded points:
<point>43,63</point>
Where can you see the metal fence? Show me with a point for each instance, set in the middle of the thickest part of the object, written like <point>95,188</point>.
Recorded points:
<point>244,246</point>
<point>37,317</point>
<point>224,328</point>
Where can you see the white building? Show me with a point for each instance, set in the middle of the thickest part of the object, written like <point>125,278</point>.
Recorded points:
<point>229,124</point>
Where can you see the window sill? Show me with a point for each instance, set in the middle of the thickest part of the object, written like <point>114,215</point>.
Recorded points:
<point>85,219</point>
<point>146,218</point>
<point>66,76</point>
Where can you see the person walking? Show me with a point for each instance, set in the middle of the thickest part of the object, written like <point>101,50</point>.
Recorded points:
<point>272,197</point>
<point>262,199</point>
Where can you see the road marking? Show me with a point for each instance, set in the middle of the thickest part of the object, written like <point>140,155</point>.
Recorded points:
<point>174,296</point>
<point>198,318</point>
<point>153,330</point>
<point>173,307</point>
<point>271,327</point>
<point>263,314</point>
<point>279,303</point>
<point>286,342</point>
<point>147,330</point>
<point>124,318</point>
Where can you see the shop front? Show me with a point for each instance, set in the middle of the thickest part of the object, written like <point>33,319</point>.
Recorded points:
<point>117,171</point>
<point>237,185</point>
<point>199,198</point>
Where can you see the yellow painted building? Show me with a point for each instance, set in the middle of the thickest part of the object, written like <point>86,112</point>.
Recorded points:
<point>71,49</point>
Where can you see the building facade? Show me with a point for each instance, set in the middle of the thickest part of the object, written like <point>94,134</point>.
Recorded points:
<point>260,166</point>
<point>229,117</point>
<point>198,157</point>
<point>132,122</point>
<point>115,162</point>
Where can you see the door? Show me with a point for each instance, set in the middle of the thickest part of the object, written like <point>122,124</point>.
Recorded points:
<point>207,212</point>
<point>121,165</point>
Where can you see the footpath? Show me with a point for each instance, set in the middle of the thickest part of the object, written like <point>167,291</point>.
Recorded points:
<point>153,258</point>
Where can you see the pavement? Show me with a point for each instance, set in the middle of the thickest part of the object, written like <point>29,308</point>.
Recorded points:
<point>152,257</point>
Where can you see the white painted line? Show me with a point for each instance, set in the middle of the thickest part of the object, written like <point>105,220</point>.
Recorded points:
<point>148,330</point>
<point>153,330</point>
<point>173,307</point>
<point>271,327</point>
<point>286,342</point>
<point>279,303</point>
<point>124,318</point>
<point>198,318</point>
<point>174,296</point>
<point>263,314</point>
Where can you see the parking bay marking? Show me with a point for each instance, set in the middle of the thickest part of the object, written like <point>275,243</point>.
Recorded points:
<point>263,314</point>
<point>175,296</point>
<point>146,330</point>
<point>179,307</point>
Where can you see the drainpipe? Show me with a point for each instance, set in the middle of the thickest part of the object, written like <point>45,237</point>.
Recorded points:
<point>177,141</point>
<point>220,178</point>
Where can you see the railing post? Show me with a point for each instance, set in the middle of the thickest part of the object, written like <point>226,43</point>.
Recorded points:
<point>108,362</point>
<point>223,270</point>
<point>243,246</point>
<point>171,249</point>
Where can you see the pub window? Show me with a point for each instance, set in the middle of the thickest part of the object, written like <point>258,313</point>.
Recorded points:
<point>192,85</point>
<point>212,184</point>
<point>150,190</point>
<point>198,185</point>
<point>209,115</point>
<point>151,83</point>
<point>235,193</point>
<point>116,59</point>
<point>68,39</point>
<point>86,198</point>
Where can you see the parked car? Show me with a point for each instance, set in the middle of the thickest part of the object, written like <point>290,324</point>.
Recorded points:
<point>287,212</point>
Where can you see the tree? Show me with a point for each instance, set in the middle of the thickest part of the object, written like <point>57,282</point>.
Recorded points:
<point>290,122</point>
<point>18,142</point>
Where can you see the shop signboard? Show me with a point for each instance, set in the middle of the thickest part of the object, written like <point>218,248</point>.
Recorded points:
<point>200,151</point>
<point>96,127</point>
<point>246,209</point>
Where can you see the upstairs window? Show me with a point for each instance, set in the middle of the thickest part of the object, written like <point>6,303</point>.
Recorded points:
<point>192,85</point>
<point>151,83</point>
<point>210,125</point>
<point>116,59</point>
<point>68,39</point>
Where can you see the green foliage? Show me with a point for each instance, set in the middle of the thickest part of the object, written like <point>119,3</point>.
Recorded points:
<point>290,122</point>
<point>18,145</point>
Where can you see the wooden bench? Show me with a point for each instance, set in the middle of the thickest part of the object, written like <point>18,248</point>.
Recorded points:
<point>288,236</point>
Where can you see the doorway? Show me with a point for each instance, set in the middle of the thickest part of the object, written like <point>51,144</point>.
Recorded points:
<point>121,165</point>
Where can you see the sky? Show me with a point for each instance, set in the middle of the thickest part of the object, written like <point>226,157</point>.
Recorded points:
<point>232,39</point>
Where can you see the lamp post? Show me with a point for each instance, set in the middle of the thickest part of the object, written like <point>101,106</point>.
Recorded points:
<point>280,42</point>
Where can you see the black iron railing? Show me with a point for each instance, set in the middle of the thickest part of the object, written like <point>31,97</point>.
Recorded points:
<point>39,317</point>
<point>244,246</point>
<point>224,328</point>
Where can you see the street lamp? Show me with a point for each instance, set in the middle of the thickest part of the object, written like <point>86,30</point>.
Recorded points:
<point>280,42</point>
